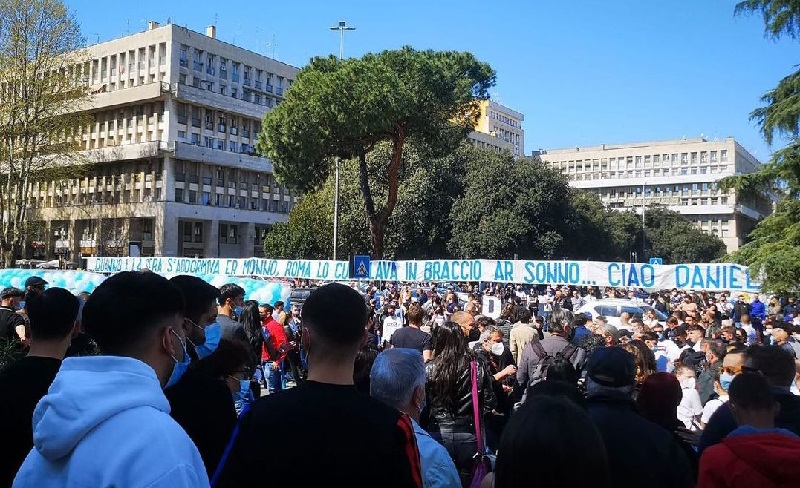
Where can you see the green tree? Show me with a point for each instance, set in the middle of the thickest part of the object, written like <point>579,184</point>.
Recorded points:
<point>772,252</point>
<point>602,234</point>
<point>419,228</point>
<point>41,103</point>
<point>675,239</point>
<point>345,109</point>
<point>510,207</point>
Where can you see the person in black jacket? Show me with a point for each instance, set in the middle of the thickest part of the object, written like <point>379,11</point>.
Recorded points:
<point>449,391</point>
<point>201,403</point>
<point>640,452</point>
<point>778,367</point>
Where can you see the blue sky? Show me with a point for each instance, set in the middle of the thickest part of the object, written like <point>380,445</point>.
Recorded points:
<point>583,72</point>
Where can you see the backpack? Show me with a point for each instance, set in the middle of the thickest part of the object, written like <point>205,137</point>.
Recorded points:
<point>546,360</point>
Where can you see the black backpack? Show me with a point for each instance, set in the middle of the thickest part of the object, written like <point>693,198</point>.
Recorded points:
<point>546,360</point>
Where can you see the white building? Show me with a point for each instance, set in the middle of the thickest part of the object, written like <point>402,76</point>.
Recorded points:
<point>176,116</point>
<point>681,175</point>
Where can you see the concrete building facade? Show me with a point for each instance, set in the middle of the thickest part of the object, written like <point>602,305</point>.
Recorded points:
<point>176,116</point>
<point>499,128</point>
<point>681,175</point>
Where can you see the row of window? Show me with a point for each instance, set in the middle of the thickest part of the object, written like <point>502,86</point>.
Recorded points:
<point>499,116</point>
<point>193,197</point>
<point>221,126</point>
<point>192,232</point>
<point>217,66</point>
<point>702,170</point>
<point>643,161</point>
<point>126,64</point>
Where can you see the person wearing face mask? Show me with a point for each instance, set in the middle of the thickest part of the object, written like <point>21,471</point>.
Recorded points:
<point>690,408</point>
<point>199,402</point>
<point>229,366</point>
<point>123,434</point>
<point>721,384</point>
<point>397,379</point>
<point>231,305</point>
<point>9,318</point>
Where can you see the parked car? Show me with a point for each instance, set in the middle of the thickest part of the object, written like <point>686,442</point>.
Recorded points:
<point>612,308</point>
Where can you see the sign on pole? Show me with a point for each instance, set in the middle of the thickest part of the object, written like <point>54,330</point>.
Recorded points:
<point>658,261</point>
<point>361,266</point>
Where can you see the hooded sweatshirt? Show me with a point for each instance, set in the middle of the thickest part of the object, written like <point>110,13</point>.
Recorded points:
<point>751,457</point>
<point>105,422</point>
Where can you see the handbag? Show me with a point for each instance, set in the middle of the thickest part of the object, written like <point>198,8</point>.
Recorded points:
<point>483,464</point>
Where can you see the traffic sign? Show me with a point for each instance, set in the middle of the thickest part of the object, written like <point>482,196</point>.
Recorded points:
<point>656,261</point>
<point>361,266</point>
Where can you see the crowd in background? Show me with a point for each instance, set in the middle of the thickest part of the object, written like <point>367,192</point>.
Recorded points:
<point>179,383</point>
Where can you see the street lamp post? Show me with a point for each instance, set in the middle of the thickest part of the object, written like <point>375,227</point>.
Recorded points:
<point>341,27</point>
<point>644,228</point>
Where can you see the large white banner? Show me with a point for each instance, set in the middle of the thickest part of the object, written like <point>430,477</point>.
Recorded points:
<point>702,276</point>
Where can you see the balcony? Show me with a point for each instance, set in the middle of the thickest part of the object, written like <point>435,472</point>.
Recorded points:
<point>196,122</point>
<point>246,133</point>
<point>222,158</point>
<point>211,71</point>
<point>246,81</point>
<point>258,85</point>
<point>198,66</point>
<point>223,74</point>
<point>182,119</point>
<point>234,131</point>
<point>219,102</point>
<point>184,63</point>
<point>221,128</point>
<point>279,91</point>
<point>235,78</point>
<point>268,88</point>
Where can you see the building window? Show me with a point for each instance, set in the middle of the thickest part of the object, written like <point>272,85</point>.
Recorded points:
<point>206,198</point>
<point>223,233</point>
<point>179,195</point>
<point>187,232</point>
<point>192,196</point>
<point>723,155</point>
<point>198,232</point>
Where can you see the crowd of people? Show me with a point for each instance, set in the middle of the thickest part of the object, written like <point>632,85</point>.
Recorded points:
<point>152,382</point>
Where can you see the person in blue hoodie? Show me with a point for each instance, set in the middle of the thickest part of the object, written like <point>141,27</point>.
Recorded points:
<point>105,420</point>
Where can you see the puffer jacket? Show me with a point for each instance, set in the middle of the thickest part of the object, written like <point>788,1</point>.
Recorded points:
<point>440,418</point>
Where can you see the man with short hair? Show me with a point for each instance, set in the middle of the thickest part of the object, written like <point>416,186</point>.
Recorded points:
<point>231,301</point>
<point>9,318</point>
<point>741,307</point>
<point>756,453</point>
<point>778,367</point>
<point>391,323</point>
<point>411,336</point>
<point>280,313</point>
<point>200,403</point>
<point>522,333</point>
<point>715,353</point>
<point>757,308</point>
<point>346,426</point>
<point>25,382</point>
<point>105,420</point>
<point>397,379</point>
<point>640,453</point>
<point>275,349</point>
<point>557,343</point>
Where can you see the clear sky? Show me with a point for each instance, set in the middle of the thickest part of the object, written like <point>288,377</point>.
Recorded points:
<point>584,72</point>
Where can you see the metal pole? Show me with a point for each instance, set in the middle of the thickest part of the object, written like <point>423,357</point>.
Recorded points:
<point>644,228</point>
<point>341,27</point>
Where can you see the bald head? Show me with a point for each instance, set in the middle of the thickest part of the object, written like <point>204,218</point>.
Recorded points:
<point>464,319</point>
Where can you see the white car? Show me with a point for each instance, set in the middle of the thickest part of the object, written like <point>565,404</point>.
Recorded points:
<point>612,308</point>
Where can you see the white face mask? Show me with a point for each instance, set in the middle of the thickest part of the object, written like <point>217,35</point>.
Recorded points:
<point>498,348</point>
<point>688,383</point>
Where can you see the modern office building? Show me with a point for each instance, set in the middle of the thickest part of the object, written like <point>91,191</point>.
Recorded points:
<point>681,175</point>
<point>499,128</point>
<point>176,116</point>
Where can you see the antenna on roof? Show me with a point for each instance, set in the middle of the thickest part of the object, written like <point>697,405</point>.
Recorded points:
<point>271,45</point>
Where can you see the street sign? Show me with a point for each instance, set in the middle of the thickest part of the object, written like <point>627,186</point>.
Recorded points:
<point>656,261</point>
<point>361,267</point>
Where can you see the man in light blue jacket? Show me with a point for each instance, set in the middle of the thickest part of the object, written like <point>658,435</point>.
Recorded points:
<point>105,420</point>
<point>398,379</point>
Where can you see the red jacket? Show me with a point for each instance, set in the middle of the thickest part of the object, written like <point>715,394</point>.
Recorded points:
<point>277,337</point>
<point>758,460</point>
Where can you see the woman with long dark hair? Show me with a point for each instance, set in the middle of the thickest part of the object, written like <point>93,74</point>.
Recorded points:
<point>449,392</point>
<point>251,323</point>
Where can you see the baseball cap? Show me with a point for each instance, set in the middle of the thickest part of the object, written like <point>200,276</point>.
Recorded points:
<point>35,281</point>
<point>11,292</point>
<point>611,366</point>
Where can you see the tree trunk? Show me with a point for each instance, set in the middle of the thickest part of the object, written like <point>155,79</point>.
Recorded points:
<point>376,233</point>
<point>379,220</point>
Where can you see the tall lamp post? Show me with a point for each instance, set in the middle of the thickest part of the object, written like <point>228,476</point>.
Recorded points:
<point>341,27</point>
